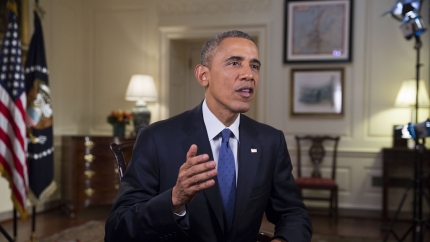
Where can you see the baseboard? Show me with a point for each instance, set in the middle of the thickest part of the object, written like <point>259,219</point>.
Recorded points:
<point>346,212</point>
<point>359,213</point>
<point>5,216</point>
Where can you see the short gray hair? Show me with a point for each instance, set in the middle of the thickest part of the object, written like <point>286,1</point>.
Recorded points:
<point>208,48</point>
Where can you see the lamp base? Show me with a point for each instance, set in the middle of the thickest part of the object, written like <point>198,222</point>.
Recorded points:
<point>141,116</point>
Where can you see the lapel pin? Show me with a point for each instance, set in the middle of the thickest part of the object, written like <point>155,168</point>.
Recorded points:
<point>253,150</point>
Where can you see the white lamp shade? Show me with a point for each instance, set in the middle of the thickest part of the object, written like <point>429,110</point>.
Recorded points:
<point>406,96</point>
<point>141,87</point>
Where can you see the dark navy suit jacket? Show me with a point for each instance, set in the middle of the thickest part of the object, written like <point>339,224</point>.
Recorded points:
<point>143,207</point>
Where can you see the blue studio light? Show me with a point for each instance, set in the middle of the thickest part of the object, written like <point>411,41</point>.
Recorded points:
<point>408,12</point>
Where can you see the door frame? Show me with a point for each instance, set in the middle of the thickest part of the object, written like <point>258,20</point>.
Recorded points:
<point>167,34</point>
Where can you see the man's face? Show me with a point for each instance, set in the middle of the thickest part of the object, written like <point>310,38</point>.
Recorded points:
<point>231,80</point>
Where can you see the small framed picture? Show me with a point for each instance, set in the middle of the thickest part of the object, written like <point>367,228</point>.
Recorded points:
<point>317,92</point>
<point>318,31</point>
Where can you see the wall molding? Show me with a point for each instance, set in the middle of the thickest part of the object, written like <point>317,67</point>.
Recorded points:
<point>213,7</point>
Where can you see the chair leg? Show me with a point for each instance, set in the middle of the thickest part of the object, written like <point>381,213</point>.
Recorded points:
<point>331,203</point>
<point>336,198</point>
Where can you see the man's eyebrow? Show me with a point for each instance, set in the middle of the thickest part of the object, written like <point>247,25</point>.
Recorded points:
<point>256,61</point>
<point>240,58</point>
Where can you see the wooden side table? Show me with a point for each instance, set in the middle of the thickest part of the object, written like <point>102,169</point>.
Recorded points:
<point>399,158</point>
<point>89,172</point>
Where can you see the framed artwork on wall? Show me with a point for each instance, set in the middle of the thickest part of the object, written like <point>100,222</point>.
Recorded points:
<point>318,31</point>
<point>317,92</point>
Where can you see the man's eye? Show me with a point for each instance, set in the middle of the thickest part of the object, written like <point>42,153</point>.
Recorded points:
<point>257,67</point>
<point>234,63</point>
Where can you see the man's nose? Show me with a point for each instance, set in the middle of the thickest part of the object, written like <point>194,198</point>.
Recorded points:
<point>247,74</point>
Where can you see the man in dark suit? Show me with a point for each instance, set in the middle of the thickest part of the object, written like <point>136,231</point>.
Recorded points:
<point>172,189</point>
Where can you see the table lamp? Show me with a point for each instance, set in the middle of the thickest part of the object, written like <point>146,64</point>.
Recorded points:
<point>407,95</point>
<point>141,89</point>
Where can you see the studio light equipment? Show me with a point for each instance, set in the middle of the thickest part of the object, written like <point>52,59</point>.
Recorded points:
<point>408,12</point>
<point>419,130</point>
<point>415,131</point>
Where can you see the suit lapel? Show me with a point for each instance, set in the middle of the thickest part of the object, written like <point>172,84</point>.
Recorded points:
<point>248,158</point>
<point>195,128</point>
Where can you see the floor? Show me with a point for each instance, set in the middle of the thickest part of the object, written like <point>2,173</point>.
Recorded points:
<point>55,220</point>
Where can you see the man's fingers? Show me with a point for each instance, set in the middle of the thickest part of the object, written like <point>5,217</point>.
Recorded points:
<point>208,172</point>
<point>192,159</point>
<point>205,185</point>
<point>195,175</point>
<point>194,170</point>
<point>192,151</point>
<point>201,185</point>
<point>195,181</point>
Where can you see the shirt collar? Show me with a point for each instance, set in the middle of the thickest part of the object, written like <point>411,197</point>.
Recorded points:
<point>214,126</point>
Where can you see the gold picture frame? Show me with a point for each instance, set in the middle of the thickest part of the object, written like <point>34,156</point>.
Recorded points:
<point>318,31</point>
<point>317,92</point>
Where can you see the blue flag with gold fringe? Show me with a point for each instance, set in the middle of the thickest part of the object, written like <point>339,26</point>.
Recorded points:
<point>40,149</point>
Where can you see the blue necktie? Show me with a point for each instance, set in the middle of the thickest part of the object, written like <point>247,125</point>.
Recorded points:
<point>227,177</point>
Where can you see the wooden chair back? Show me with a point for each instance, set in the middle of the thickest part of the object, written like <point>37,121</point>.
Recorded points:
<point>122,153</point>
<point>317,153</point>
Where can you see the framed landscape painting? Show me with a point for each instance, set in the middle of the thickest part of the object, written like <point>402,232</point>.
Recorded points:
<point>318,31</point>
<point>317,92</point>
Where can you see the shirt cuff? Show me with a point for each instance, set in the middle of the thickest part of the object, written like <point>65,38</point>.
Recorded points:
<point>181,212</point>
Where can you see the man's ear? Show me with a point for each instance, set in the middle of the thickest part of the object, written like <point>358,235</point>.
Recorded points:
<point>201,74</point>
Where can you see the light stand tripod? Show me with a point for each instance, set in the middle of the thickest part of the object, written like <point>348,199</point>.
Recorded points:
<point>417,184</point>
<point>4,232</point>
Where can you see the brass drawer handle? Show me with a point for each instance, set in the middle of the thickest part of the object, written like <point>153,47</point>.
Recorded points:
<point>89,192</point>
<point>116,186</point>
<point>116,170</point>
<point>89,144</point>
<point>89,173</point>
<point>89,157</point>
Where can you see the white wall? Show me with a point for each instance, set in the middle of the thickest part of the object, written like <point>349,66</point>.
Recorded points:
<point>94,46</point>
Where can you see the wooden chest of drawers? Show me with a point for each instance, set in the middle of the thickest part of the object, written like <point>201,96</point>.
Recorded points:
<point>89,172</point>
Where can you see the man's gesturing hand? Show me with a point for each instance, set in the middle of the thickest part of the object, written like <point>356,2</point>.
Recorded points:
<point>195,175</point>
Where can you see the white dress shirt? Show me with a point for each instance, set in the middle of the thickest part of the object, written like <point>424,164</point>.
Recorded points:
<point>214,128</point>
